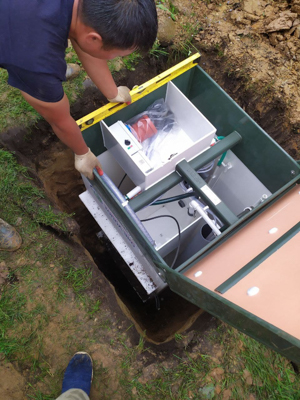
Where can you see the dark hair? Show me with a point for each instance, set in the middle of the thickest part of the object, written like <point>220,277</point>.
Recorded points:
<point>122,24</point>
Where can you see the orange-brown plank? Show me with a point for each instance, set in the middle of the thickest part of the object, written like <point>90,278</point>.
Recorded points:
<point>248,242</point>
<point>278,281</point>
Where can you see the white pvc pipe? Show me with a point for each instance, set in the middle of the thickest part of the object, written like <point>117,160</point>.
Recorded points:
<point>133,192</point>
<point>196,206</point>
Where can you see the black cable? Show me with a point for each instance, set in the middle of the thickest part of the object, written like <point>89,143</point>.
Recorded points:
<point>179,236</point>
<point>174,198</point>
<point>157,302</point>
<point>122,181</point>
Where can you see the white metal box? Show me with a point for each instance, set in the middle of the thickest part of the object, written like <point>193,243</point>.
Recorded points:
<point>197,136</point>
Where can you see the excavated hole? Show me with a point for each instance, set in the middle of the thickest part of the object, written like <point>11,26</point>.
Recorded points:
<point>38,147</point>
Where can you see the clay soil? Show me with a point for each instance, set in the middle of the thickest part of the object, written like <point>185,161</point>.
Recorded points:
<point>251,49</point>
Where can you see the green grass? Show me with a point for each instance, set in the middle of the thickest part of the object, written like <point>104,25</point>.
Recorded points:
<point>157,51</point>
<point>19,327</point>
<point>184,49</point>
<point>167,5</point>
<point>178,337</point>
<point>272,375</point>
<point>94,308</point>
<point>78,279</point>
<point>176,382</point>
<point>191,28</point>
<point>15,111</point>
<point>30,306</point>
<point>41,275</point>
<point>11,312</point>
<point>192,375</point>
<point>17,187</point>
<point>132,60</point>
<point>38,395</point>
<point>268,369</point>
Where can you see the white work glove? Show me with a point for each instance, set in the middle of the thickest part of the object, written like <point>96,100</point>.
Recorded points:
<point>123,95</point>
<point>86,163</point>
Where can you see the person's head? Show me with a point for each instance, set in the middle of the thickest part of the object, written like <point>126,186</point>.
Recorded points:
<point>124,25</point>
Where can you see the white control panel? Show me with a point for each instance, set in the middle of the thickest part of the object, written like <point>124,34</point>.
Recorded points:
<point>125,138</point>
<point>127,151</point>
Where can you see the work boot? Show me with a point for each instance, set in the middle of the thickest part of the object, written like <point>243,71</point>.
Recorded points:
<point>10,240</point>
<point>73,70</point>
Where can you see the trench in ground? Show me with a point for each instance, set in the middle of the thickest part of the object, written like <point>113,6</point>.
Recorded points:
<point>53,163</point>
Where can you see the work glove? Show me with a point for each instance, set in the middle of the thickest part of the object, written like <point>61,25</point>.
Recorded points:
<point>123,95</point>
<point>86,163</point>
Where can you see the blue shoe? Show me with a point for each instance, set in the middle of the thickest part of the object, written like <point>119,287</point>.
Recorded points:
<point>79,373</point>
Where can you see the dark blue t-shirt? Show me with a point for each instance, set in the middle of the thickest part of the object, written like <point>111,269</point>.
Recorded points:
<point>33,39</point>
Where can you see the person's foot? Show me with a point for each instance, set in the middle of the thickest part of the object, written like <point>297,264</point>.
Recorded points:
<point>79,373</point>
<point>72,71</point>
<point>10,240</point>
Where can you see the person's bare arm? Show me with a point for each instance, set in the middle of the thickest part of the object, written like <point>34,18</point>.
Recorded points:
<point>59,117</point>
<point>98,71</point>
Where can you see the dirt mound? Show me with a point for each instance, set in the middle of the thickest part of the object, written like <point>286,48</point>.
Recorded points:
<point>252,49</point>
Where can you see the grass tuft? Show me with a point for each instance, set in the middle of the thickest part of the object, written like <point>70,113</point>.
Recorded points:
<point>132,60</point>
<point>16,187</point>
<point>79,279</point>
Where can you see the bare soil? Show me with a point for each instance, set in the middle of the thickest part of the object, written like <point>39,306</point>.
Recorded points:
<point>252,49</point>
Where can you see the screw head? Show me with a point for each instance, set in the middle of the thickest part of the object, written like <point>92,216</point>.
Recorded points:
<point>273,230</point>
<point>253,291</point>
<point>197,274</point>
